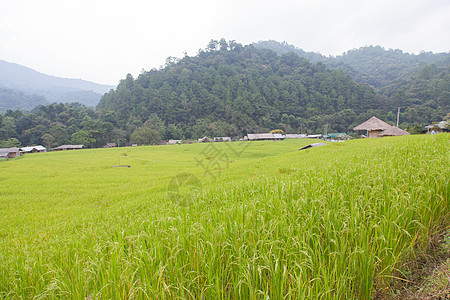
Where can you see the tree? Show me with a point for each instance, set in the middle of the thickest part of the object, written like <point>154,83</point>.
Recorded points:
<point>212,45</point>
<point>12,142</point>
<point>82,137</point>
<point>48,140</point>
<point>120,136</point>
<point>60,134</point>
<point>155,123</point>
<point>223,44</point>
<point>145,136</point>
<point>8,128</point>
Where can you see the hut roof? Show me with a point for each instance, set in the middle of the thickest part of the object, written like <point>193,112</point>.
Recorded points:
<point>294,136</point>
<point>440,125</point>
<point>260,136</point>
<point>393,131</point>
<point>265,136</point>
<point>173,142</point>
<point>4,152</point>
<point>30,148</point>
<point>204,139</point>
<point>9,150</point>
<point>64,147</point>
<point>373,124</point>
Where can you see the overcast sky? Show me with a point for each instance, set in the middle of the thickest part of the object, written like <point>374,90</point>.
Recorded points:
<point>103,40</point>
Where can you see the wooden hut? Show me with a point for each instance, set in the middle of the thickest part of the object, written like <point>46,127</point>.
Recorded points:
<point>294,136</point>
<point>33,149</point>
<point>173,142</point>
<point>265,137</point>
<point>110,145</point>
<point>9,152</point>
<point>68,147</point>
<point>204,139</point>
<point>377,128</point>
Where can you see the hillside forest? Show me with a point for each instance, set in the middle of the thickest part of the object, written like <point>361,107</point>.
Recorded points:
<point>228,89</point>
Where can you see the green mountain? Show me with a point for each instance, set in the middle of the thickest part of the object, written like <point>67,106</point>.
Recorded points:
<point>54,89</point>
<point>423,95</point>
<point>372,65</point>
<point>229,89</point>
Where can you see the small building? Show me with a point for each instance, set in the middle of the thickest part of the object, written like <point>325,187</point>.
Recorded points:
<point>9,152</point>
<point>204,139</point>
<point>339,136</point>
<point>222,139</point>
<point>68,147</point>
<point>265,137</point>
<point>173,142</point>
<point>376,128</point>
<point>314,136</point>
<point>33,149</point>
<point>110,145</point>
<point>438,127</point>
<point>294,136</point>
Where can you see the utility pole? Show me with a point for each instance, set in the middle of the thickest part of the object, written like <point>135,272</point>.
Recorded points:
<point>325,129</point>
<point>398,115</point>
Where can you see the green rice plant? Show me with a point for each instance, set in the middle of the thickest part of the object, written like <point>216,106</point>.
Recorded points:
<point>332,222</point>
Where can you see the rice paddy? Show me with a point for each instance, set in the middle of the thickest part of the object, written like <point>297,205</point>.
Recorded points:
<point>241,220</point>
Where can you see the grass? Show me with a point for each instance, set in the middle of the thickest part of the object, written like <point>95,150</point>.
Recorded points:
<point>268,222</point>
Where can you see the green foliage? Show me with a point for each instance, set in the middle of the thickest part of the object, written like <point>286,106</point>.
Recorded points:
<point>13,99</point>
<point>58,124</point>
<point>82,137</point>
<point>371,65</point>
<point>48,140</point>
<point>425,96</point>
<point>145,136</point>
<point>12,142</point>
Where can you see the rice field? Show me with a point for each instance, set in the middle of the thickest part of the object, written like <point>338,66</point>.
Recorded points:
<point>241,220</point>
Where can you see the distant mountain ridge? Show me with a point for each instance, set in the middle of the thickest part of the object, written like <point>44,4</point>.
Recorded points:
<point>29,82</point>
<point>373,65</point>
<point>16,100</point>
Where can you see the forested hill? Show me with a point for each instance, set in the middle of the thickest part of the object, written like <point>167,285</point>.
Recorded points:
<point>423,95</point>
<point>373,65</point>
<point>231,90</point>
<point>13,99</point>
<point>27,85</point>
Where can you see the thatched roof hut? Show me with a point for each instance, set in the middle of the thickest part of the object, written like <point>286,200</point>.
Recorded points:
<point>378,128</point>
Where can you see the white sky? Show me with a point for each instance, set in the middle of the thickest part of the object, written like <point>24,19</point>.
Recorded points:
<point>103,40</point>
